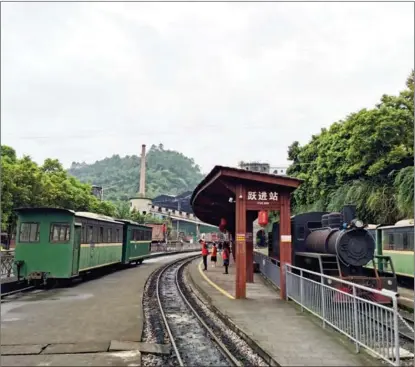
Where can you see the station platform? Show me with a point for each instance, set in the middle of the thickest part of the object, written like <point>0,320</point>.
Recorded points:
<point>79,325</point>
<point>286,335</point>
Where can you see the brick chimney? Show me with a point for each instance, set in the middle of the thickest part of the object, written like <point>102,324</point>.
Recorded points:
<point>143,171</point>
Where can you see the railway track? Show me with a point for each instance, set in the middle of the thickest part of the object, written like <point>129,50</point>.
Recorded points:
<point>378,333</point>
<point>406,325</point>
<point>183,324</point>
<point>18,290</point>
<point>196,335</point>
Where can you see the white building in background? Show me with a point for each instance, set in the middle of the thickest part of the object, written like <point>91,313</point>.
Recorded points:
<point>263,168</point>
<point>140,204</point>
<point>279,170</point>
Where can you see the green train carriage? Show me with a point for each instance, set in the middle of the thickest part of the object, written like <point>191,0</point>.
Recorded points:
<point>137,240</point>
<point>61,244</point>
<point>397,241</point>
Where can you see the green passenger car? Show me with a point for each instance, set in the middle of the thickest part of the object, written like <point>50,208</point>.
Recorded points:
<point>137,240</point>
<point>397,241</point>
<point>56,243</point>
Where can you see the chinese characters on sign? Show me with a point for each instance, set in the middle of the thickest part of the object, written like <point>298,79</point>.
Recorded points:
<point>262,196</point>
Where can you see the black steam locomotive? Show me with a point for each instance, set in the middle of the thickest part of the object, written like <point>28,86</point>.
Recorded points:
<point>338,245</point>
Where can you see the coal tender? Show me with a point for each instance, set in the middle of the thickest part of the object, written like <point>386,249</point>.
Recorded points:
<point>337,245</point>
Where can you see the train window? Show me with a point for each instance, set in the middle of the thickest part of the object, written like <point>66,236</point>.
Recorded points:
<point>95,233</point>
<point>101,235</point>
<point>89,234</point>
<point>301,232</point>
<point>391,242</point>
<point>405,241</point>
<point>117,235</point>
<point>29,232</point>
<point>60,232</point>
<point>109,234</point>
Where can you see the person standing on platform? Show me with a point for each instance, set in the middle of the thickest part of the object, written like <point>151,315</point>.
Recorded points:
<point>225,257</point>
<point>214,255</point>
<point>205,253</point>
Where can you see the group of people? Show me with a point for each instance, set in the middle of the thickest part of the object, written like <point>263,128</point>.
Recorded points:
<point>223,248</point>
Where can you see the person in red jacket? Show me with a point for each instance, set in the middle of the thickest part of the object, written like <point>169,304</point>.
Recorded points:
<point>225,257</point>
<point>214,255</point>
<point>205,253</point>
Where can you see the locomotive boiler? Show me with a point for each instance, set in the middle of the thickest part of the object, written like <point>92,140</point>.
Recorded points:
<point>334,244</point>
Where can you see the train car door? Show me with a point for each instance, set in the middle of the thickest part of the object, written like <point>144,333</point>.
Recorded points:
<point>76,248</point>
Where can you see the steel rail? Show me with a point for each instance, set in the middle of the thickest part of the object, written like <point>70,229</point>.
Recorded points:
<point>17,291</point>
<point>222,348</point>
<point>163,314</point>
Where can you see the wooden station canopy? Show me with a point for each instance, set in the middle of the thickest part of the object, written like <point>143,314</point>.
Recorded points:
<point>238,195</point>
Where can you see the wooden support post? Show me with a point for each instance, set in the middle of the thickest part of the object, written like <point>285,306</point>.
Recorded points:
<point>240,242</point>
<point>285,240</point>
<point>249,247</point>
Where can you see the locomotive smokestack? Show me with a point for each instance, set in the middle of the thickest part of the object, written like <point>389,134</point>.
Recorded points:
<point>349,213</point>
<point>143,171</point>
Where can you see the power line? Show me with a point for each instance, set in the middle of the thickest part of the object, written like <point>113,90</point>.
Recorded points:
<point>198,129</point>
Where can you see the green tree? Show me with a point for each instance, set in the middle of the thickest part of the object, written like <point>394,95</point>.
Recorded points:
<point>25,184</point>
<point>168,172</point>
<point>365,159</point>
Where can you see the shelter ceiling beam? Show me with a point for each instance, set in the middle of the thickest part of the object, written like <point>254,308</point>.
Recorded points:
<point>207,184</point>
<point>231,187</point>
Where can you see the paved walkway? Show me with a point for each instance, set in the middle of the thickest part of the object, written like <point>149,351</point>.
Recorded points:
<point>78,325</point>
<point>287,335</point>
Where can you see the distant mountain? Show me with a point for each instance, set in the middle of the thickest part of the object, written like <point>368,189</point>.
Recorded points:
<point>168,172</point>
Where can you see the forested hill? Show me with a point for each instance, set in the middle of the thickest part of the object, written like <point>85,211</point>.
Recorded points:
<point>367,159</point>
<point>168,172</point>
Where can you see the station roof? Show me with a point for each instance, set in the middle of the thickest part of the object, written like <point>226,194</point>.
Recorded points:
<point>210,199</point>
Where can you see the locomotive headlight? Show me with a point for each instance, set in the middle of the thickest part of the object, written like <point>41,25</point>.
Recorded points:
<point>357,223</point>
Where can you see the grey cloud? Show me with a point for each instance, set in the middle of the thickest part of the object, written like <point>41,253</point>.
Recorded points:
<point>219,82</point>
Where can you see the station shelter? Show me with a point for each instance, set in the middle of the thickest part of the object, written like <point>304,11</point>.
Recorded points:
<point>234,197</point>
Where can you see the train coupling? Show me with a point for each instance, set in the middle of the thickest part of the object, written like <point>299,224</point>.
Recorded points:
<point>38,275</point>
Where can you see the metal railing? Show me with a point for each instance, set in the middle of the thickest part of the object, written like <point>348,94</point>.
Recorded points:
<point>268,268</point>
<point>174,246</point>
<point>7,258</point>
<point>350,309</point>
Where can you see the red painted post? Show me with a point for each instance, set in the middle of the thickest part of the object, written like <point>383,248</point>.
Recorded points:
<point>249,248</point>
<point>240,242</point>
<point>285,240</point>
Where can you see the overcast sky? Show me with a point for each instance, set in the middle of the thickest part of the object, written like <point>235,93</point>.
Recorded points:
<point>219,82</point>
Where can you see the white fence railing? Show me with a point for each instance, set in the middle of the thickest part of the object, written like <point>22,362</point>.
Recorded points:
<point>174,246</point>
<point>349,308</point>
<point>268,269</point>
